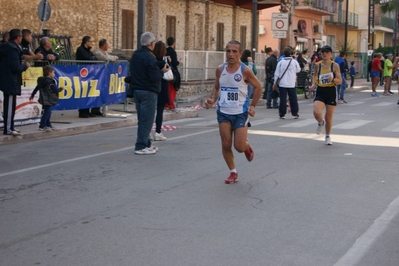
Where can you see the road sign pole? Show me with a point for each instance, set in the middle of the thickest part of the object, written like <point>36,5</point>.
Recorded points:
<point>43,15</point>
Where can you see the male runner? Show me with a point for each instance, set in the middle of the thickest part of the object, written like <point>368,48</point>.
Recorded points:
<point>233,105</point>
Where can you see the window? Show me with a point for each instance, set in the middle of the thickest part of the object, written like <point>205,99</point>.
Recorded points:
<point>243,37</point>
<point>127,29</point>
<point>220,37</point>
<point>170,27</point>
<point>331,41</point>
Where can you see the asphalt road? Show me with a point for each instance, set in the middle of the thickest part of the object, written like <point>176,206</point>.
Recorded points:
<point>89,200</point>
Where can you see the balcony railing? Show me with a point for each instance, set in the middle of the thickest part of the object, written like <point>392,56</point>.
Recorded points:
<point>384,22</point>
<point>328,6</point>
<point>339,18</point>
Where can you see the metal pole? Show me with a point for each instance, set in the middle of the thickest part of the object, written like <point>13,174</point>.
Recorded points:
<point>369,27</point>
<point>44,15</point>
<point>395,30</point>
<point>254,27</point>
<point>346,27</point>
<point>140,21</point>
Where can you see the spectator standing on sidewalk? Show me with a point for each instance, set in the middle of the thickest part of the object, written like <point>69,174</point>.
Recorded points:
<point>231,93</point>
<point>268,52</point>
<point>382,62</point>
<point>84,53</point>
<point>287,70</point>
<point>45,49</point>
<point>146,84</point>
<point>163,96</point>
<point>48,96</point>
<point>388,75</point>
<point>376,69</point>
<point>343,66</point>
<point>27,52</point>
<point>352,73</point>
<point>102,54</point>
<point>271,64</point>
<point>11,68</point>
<point>247,60</point>
<point>5,37</point>
<point>170,51</point>
<point>326,76</point>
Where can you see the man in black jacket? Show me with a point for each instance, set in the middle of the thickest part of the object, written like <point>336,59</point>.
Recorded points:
<point>83,53</point>
<point>11,68</point>
<point>270,68</point>
<point>146,84</point>
<point>27,53</point>
<point>45,49</point>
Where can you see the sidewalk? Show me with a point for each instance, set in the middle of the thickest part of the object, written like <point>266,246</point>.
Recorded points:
<point>68,123</point>
<point>120,115</point>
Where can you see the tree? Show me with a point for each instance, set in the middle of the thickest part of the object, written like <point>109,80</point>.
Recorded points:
<point>386,6</point>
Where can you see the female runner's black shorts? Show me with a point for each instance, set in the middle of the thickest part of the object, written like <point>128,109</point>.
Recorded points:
<point>327,95</point>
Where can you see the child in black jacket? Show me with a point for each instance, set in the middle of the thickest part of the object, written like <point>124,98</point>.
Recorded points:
<point>48,96</point>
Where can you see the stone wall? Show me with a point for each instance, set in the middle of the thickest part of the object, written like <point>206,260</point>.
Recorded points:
<point>103,19</point>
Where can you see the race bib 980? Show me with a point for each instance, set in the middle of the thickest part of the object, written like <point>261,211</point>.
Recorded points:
<point>229,97</point>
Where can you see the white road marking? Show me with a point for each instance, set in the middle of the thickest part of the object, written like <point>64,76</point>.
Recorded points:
<point>353,103</point>
<point>352,124</point>
<point>301,123</point>
<point>364,243</point>
<point>392,128</point>
<point>383,104</point>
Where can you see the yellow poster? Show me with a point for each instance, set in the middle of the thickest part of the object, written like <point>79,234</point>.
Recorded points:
<point>26,112</point>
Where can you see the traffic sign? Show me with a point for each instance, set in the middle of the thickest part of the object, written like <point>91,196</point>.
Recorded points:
<point>44,10</point>
<point>280,34</point>
<point>279,21</point>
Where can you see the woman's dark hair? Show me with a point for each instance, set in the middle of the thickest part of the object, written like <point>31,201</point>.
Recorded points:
<point>245,55</point>
<point>159,50</point>
<point>85,39</point>
<point>170,41</point>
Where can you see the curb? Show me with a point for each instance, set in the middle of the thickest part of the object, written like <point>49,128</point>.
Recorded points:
<point>90,126</point>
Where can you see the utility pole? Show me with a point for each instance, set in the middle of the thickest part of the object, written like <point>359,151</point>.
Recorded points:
<point>395,29</point>
<point>346,27</point>
<point>254,27</point>
<point>140,21</point>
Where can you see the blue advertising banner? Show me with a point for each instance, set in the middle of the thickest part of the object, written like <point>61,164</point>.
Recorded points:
<point>87,86</point>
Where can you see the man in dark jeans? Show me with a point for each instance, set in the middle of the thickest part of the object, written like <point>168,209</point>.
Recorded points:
<point>146,84</point>
<point>11,68</point>
<point>271,64</point>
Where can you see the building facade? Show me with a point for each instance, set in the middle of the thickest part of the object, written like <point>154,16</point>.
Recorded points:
<point>196,24</point>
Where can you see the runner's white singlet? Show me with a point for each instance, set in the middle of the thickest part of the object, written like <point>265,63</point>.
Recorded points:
<point>233,93</point>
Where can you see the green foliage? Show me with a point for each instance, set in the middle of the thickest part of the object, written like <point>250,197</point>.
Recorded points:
<point>387,7</point>
<point>350,47</point>
<point>384,50</point>
<point>58,48</point>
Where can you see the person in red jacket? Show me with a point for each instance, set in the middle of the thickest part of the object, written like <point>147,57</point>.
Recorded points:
<point>172,86</point>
